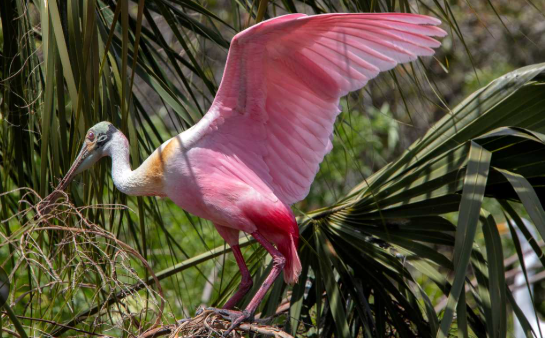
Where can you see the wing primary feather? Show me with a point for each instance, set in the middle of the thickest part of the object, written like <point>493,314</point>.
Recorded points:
<point>425,30</point>
<point>342,67</point>
<point>364,67</point>
<point>307,138</point>
<point>316,120</point>
<point>382,57</point>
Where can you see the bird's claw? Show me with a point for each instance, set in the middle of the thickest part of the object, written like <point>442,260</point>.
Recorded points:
<point>225,313</point>
<point>200,310</point>
<point>235,317</point>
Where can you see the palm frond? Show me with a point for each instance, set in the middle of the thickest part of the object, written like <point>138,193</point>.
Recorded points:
<point>382,236</point>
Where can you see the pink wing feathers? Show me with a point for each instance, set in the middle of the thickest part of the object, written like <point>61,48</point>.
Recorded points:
<point>274,112</point>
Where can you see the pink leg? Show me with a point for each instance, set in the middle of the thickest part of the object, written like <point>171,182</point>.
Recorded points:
<point>278,264</point>
<point>245,284</point>
<point>238,317</point>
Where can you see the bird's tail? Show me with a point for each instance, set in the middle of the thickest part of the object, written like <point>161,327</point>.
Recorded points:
<point>278,225</point>
<point>292,269</point>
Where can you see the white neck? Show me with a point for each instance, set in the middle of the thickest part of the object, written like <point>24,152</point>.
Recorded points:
<point>130,182</point>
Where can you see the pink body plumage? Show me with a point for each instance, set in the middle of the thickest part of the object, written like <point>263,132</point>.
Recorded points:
<point>259,147</point>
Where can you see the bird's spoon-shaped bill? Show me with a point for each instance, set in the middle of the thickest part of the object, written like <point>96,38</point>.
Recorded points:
<point>44,207</point>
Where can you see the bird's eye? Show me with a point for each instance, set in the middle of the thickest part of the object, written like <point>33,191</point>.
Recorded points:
<point>91,136</point>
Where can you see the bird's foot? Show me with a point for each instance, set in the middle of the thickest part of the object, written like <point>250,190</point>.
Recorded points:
<point>235,317</point>
<point>200,310</point>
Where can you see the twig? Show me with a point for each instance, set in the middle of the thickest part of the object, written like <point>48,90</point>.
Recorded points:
<point>13,333</point>
<point>266,330</point>
<point>126,247</point>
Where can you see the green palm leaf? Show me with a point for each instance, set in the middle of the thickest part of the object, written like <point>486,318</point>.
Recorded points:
<point>402,207</point>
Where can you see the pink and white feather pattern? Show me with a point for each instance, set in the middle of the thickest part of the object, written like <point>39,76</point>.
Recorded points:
<point>279,96</point>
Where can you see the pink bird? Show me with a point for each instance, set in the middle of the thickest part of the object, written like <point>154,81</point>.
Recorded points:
<point>259,147</point>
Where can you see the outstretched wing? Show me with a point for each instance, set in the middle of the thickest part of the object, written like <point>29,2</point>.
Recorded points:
<point>272,120</point>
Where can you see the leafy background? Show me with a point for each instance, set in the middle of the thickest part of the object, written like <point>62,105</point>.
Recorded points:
<point>396,229</point>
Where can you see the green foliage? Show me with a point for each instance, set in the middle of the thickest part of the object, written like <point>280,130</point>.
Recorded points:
<point>400,207</point>
<point>377,257</point>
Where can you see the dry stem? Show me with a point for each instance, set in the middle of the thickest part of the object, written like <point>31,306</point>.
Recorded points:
<point>61,256</point>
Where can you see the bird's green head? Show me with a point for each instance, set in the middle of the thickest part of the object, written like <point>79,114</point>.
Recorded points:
<point>93,149</point>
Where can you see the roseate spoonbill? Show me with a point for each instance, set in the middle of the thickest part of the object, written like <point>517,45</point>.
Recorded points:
<point>258,148</point>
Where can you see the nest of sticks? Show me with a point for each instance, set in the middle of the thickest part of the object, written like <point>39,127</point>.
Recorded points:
<point>61,252</point>
<point>209,324</point>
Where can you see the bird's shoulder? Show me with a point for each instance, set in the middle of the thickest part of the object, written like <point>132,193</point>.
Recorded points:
<point>155,165</point>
